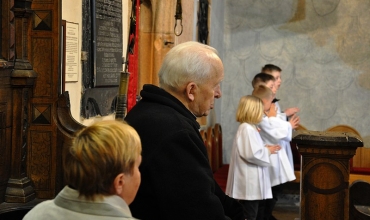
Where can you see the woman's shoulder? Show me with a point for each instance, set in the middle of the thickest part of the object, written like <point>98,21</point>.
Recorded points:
<point>41,210</point>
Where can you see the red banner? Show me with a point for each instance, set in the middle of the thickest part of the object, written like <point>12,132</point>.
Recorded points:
<point>133,65</point>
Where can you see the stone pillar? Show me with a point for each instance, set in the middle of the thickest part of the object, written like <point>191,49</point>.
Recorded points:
<point>325,173</point>
<point>19,188</point>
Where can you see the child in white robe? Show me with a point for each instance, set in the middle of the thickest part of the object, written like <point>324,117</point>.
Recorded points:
<point>248,179</point>
<point>276,130</point>
<point>275,71</point>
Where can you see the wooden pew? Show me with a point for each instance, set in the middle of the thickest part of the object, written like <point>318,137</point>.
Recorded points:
<point>221,172</point>
<point>218,141</point>
<point>209,142</point>
<point>214,149</point>
<point>359,200</point>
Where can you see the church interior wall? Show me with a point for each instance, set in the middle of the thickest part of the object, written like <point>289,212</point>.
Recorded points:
<point>323,50</point>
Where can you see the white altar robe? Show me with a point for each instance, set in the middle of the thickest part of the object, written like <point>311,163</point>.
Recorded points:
<point>274,130</point>
<point>286,144</point>
<point>248,177</point>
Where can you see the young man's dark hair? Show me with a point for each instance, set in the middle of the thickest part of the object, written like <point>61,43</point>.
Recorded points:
<point>270,68</point>
<point>262,78</point>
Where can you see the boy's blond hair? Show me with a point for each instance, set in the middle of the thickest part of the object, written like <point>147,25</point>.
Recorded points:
<point>99,153</point>
<point>262,92</point>
<point>250,110</point>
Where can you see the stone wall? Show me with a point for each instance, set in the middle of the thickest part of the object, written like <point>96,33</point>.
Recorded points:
<point>323,47</point>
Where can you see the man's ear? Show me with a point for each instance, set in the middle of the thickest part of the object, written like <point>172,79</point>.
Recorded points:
<point>118,183</point>
<point>190,90</point>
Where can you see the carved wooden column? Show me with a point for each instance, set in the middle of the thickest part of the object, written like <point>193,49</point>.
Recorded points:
<point>325,173</point>
<point>6,66</point>
<point>22,78</point>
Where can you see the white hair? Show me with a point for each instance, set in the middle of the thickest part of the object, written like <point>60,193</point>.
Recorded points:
<point>187,62</point>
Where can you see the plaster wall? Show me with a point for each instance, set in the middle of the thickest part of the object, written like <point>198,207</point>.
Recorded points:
<point>216,40</point>
<point>323,48</point>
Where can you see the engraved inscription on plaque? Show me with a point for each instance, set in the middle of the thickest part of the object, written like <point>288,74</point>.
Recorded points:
<point>108,42</point>
<point>71,53</point>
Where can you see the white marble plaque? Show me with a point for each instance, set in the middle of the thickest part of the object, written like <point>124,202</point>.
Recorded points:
<point>71,54</point>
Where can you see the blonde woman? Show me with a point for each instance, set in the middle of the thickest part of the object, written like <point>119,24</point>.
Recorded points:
<point>102,175</point>
<point>248,179</point>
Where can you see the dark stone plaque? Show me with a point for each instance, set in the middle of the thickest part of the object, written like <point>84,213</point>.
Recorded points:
<point>102,43</point>
<point>107,42</point>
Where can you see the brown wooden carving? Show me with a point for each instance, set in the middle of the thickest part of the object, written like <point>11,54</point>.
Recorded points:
<point>19,188</point>
<point>325,173</point>
<point>5,140</point>
<point>43,52</point>
<point>35,120</point>
<point>66,127</point>
<point>40,171</point>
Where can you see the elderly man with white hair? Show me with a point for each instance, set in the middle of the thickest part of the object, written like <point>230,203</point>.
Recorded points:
<point>177,181</point>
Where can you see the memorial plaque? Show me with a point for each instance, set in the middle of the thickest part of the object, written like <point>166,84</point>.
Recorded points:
<point>107,42</point>
<point>71,52</point>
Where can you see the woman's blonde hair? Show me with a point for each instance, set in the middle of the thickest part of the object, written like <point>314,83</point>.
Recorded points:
<point>98,154</point>
<point>250,110</point>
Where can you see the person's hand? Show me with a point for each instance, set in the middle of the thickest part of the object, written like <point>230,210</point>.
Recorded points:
<point>291,111</point>
<point>294,121</point>
<point>272,112</point>
<point>273,148</point>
